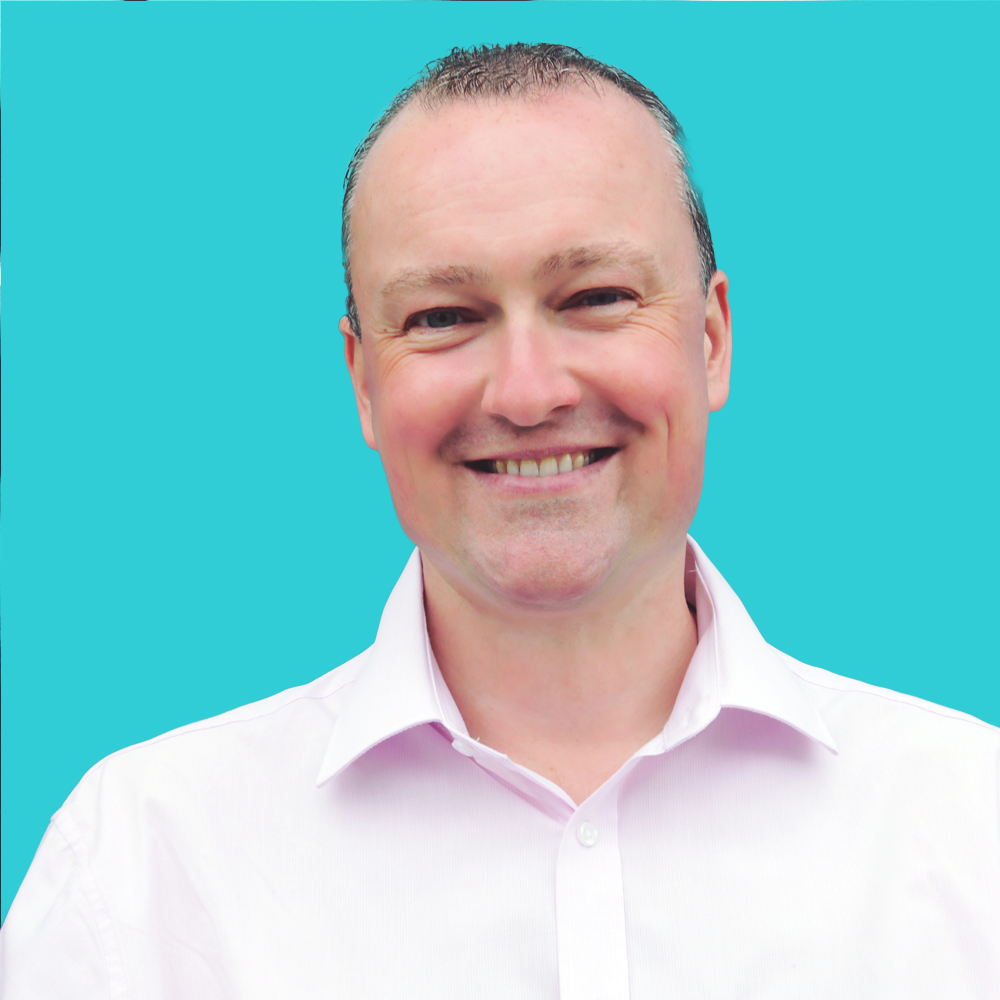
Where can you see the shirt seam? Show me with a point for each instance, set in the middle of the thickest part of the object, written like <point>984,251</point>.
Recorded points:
<point>207,725</point>
<point>897,698</point>
<point>113,962</point>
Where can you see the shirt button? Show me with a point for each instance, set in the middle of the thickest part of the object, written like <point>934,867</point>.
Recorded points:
<point>586,833</point>
<point>463,747</point>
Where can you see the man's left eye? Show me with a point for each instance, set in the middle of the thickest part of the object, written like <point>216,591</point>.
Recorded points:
<point>602,297</point>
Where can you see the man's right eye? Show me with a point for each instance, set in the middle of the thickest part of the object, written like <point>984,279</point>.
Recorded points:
<point>438,318</point>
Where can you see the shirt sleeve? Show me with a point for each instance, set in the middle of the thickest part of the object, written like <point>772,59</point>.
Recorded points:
<point>50,943</point>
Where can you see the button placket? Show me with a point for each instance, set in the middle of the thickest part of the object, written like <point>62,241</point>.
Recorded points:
<point>590,904</point>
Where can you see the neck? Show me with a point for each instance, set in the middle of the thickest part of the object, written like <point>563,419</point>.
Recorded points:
<point>571,696</point>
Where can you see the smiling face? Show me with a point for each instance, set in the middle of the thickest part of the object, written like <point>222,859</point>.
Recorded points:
<point>538,357</point>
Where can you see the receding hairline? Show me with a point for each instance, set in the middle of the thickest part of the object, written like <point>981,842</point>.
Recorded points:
<point>431,104</point>
<point>433,99</point>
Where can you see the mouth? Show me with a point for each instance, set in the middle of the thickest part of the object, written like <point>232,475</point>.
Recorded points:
<point>555,464</point>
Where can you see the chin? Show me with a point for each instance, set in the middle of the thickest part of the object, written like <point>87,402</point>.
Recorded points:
<point>547,572</point>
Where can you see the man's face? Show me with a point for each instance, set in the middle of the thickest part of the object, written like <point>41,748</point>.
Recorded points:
<point>528,288</point>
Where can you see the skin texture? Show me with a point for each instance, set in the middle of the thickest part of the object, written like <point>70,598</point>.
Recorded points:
<point>527,284</point>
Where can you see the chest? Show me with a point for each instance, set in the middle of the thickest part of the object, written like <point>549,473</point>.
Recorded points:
<point>764,878</point>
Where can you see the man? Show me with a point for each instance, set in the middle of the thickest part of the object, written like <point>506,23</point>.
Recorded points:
<point>569,766</point>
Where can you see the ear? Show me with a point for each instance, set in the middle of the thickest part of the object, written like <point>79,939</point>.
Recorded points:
<point>354,355</point>
<point>718,340</point>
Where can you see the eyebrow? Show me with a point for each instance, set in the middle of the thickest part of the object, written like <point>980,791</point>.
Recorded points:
<point>437,277</point>
<point>599,254</point>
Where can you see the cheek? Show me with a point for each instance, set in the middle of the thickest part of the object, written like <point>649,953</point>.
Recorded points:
<point>664,390</point>
<point>654,381</point>
<point>417,400</point>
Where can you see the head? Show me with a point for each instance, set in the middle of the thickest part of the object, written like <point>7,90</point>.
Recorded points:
<point>531,277</point>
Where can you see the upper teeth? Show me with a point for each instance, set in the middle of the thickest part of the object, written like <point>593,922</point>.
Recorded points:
<point>550,466</point>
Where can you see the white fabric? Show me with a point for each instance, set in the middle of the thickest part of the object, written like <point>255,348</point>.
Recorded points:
<point>790,834</point>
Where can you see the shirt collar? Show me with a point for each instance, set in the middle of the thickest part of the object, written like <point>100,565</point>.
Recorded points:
<point>734,667</point>
<point>395,689</point>
<point>400,686</point>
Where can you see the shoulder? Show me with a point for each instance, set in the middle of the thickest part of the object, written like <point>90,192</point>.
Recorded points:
<point>295,706</point>
<point>283,735</point>
<point>884,698</point>
<point>896,728</point>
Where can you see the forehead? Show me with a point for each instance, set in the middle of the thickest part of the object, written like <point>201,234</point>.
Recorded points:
<point>515,180</point>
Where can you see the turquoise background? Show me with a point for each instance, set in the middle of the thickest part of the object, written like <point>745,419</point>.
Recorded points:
<point>191,519</point>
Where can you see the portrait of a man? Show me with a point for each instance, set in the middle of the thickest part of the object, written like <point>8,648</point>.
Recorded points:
<point>569,765</point>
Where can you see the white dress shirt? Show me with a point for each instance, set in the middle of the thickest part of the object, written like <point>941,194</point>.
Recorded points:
<point>790,834</point>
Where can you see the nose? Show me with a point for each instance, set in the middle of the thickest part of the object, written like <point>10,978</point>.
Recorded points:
<point>530,379</point>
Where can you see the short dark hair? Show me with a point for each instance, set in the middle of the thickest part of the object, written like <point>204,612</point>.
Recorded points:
<point>512,71</point>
